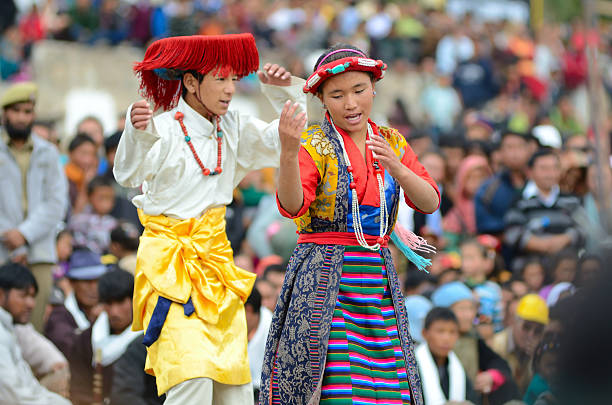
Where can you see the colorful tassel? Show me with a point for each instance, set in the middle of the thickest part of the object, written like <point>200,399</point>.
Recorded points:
<point>409,244</point>
<point>221,54</point>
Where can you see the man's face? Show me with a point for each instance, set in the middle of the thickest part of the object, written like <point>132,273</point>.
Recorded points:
<point>441,337</point>
<point>514,152</point>
<point>94,129</point>
<point>18,120</point>
<point>252,318</point>
<point>86,292</point>
<point>465,311</point>
<point>546,172</point>
<point>268,294</point>
<point>19,303</point>
<point>527,335</point>
<point>119,314</point>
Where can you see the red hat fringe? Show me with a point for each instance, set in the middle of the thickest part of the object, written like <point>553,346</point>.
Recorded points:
<point>236,53</point>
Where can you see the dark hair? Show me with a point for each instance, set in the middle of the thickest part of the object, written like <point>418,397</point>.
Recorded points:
<point>415,278</point>
<point>509,132</point>
<point>16,276</point>
<point>550,343</point>
<point>127,235</point>
<point>542,152</point>
<point>112,142</point>
<point>565,254</point>
<point>91,118</point>
<point>254,300</point>
<point>440,314</point>
<point>115,285</point>
<point>339,55</point>
<point>98,181</point>
<point>80,139</point>
<point>199,77</point>
<point>273,268</point>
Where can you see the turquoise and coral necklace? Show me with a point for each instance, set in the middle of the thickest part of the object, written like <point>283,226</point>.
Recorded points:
<point>206,172</point>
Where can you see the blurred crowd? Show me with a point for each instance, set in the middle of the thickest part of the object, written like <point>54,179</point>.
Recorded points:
<point>497,112</point>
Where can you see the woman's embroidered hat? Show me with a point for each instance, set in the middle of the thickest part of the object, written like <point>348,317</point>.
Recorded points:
<point>166,60</point>
<point>351,63</point>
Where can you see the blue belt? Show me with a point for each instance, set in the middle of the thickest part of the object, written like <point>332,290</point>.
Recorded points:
<point>159,318</point>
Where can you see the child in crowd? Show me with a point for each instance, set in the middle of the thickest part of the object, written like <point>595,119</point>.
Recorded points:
<point>563,269</point>
<point>545,366</point>
<point>533,274</point>
<point>80,169</point>
<point>92,227</point>
<point>63,246</point>
<point>477,262</point>
<point>443,376</point>
<point>124,240</point>
<point>490,374</point>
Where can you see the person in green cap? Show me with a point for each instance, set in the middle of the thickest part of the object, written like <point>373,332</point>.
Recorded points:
<point>34,193</point>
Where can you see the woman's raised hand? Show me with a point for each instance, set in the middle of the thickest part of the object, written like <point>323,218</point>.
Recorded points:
<point>290,127</point>
<point>141,114</point>
<point>381,150</point>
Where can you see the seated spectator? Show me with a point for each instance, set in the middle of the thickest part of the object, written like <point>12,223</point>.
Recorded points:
<point>542,221</point>
<point>125,239</point>
<point>417,308</point>
<point>460,221</point>
<point>131,384</point>
<point>104,342</point>
<point>268,293</point>
<point>64,248</point>
<point>517,343</point>
<point>545,368</point>
<point>477,263</point>
<point>18,385</point>
<point>80,169</point>
<point>92,227</point>
<point>590,267</point>
<point>275,274</point>
<point>48,364</point>
<point>497,194</point>
<point>489,373</point>
<point>442,374</point>
<point>562,270</point>
<point>258,320</point>
<point>533,274</point>
<point>80,307</point>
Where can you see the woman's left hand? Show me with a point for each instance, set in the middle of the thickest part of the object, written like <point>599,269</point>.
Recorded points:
<point>381,150</point>
<point>274,74</point>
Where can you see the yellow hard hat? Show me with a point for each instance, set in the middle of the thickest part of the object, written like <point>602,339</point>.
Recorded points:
<point>532,307</point>
<point>19,93</point>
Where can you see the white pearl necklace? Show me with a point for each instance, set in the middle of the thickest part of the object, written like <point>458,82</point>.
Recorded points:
<point>355,202</point>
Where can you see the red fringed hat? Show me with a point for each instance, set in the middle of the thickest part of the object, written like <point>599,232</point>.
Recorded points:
<point>376,67</point>
<point>166,60</point>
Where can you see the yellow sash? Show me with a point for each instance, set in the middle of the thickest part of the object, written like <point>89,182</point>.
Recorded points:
<point>179,259</point>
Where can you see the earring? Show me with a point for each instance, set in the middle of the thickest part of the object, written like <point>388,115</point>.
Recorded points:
<point>374,92</point>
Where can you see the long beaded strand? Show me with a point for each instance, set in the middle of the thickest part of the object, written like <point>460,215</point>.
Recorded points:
<point>206,172</point>
<point>355,203</point>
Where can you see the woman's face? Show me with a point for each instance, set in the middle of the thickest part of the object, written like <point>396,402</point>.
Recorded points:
<point>348,98</point>
<point>474,179</point>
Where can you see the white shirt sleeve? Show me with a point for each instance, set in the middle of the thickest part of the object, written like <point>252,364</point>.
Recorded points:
<point>258,141</point>
<point>139,153</point>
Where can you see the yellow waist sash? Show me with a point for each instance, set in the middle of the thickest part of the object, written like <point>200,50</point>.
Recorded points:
<point>191,258</point>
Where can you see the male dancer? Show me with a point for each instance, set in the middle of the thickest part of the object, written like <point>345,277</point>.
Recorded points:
<point>189,295</point>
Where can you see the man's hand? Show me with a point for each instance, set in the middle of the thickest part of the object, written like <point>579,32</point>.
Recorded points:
<point>275,74</point>
<point>141,114</point>
<point>13,239</point>
<point>483,382</point>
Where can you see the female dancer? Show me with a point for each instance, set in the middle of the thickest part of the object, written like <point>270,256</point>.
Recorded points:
<point>340,331</point>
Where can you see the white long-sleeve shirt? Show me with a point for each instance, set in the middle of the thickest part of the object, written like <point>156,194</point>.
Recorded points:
<point>159,159</point>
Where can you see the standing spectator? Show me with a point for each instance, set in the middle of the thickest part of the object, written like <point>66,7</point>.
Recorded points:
<point>104,342</point>
<point>18,385</point>
<point>441,104</point>
<point>131,384</point>
<point>542,221</point>
<point>452,49</point>
<point>33,198</point>
<point>474,79</point>
<point>517,343</point>
<point>92,227</point>
<point>80,307</point>
<point>497,194</point>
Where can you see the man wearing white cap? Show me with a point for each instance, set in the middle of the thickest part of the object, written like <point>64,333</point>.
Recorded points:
<point>33,200</point>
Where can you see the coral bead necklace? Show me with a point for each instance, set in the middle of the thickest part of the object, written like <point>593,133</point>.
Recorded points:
<point>206,172</point>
